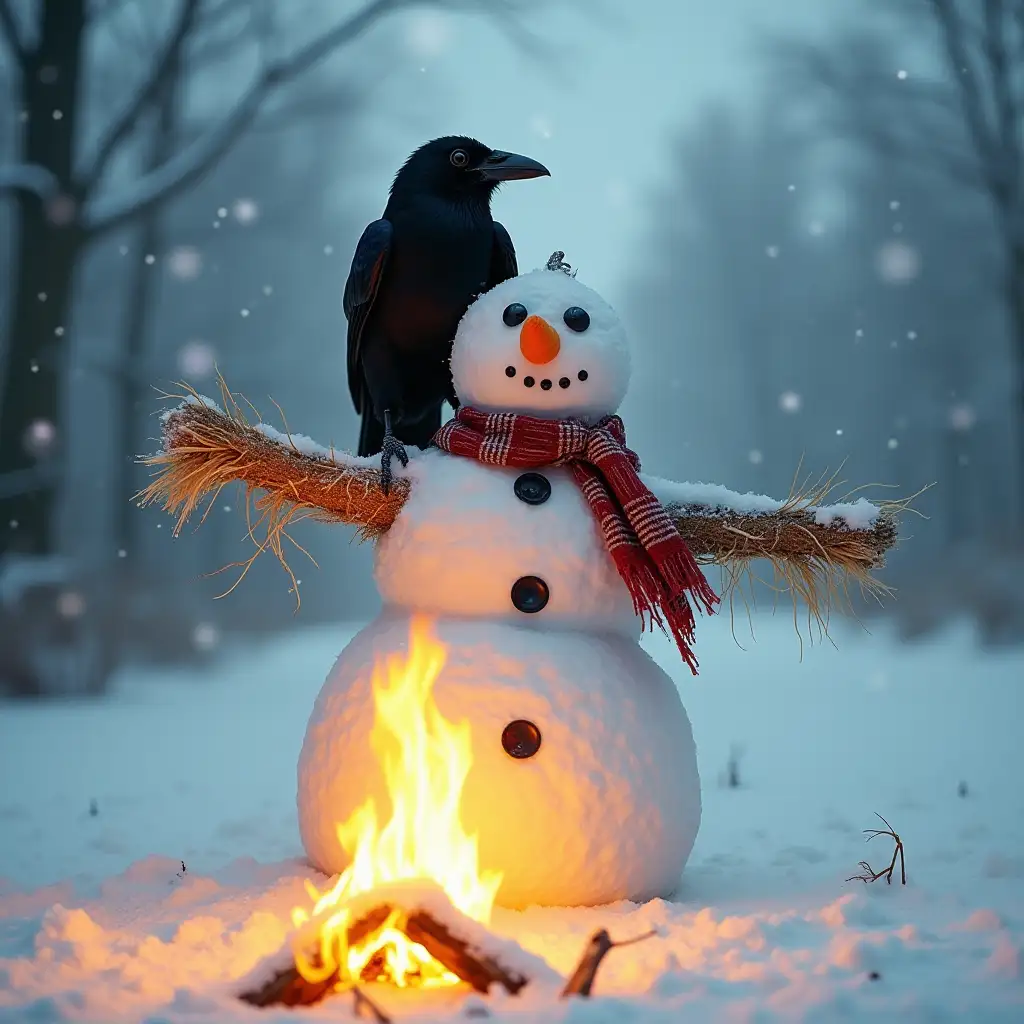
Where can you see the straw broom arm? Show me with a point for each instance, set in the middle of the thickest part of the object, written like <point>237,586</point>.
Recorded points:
<point>718,535</point>
<point>815,549</point>
<point>206,447</point>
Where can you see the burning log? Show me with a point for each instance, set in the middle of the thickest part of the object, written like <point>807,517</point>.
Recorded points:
<point>815,549</point>
<point>287,987</point>
<point>457,943</point>
<point>475,967</point>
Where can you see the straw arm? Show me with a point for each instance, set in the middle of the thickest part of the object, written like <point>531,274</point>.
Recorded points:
<point>719,534</point>
<point>206,448</point>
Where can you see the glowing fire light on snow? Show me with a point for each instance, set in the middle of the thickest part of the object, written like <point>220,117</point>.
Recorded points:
<point>425,759</point>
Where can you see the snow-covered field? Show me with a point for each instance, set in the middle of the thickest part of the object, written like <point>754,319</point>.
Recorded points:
<point>100,805</point>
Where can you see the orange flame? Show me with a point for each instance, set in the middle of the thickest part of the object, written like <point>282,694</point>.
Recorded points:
<point>425,759</point>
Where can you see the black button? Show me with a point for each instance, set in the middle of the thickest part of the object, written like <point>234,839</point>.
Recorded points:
<point>533,488</point>
<point>520,739</point>
<point>530,594</point>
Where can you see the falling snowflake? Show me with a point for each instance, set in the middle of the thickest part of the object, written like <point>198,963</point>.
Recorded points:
<point>205,636</point>
<point>756,456</point>
<point>39,438</point>
<point>816,228</point>
<point>772,251</point>
<point>893,443</point>
<point>790,401</point>
<point>61,210</point>
<point>185,262</point>
<point>618,193</point>
<point>246,211</point>
<point>427,33</point>
<point>540,125</point>
<point>70,604</point>
<point>962,416</point>
<point>897,262</point>
<point>901,75</point>
<point>196,359</point>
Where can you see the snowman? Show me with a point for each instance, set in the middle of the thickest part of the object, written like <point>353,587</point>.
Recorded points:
<point>530,541</point>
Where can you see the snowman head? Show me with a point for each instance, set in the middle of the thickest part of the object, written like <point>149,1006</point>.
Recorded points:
<point>542,344</point>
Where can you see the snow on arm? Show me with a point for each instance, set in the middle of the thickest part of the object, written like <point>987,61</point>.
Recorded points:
<point>718,500</point>
<point>712,496</point>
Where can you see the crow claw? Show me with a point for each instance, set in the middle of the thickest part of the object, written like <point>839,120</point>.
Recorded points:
<point>391,448</point>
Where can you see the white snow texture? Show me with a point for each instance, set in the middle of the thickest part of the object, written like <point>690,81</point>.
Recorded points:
<point>607,809</point>
<point>463,538</point>
<point>485,346</point>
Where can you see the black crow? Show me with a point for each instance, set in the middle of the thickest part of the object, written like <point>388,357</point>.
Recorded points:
<point>414,274</point>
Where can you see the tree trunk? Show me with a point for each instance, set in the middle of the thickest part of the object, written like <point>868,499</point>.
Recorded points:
<point>1015,300</point>
<point>142,295</point>
<point>46,254</point>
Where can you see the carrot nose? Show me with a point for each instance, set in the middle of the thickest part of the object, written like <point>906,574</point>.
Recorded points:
<point>538,340</point>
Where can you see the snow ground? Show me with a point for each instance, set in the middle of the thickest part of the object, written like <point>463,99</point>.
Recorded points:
<point>98,921</point>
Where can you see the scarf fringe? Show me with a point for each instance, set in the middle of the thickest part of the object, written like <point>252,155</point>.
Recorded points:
<point>655,605</point>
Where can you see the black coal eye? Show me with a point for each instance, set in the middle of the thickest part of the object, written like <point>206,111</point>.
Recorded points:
<point>576,319</point>
<point>510,371</point>
<point>459,158</point>
<point>514,315</point>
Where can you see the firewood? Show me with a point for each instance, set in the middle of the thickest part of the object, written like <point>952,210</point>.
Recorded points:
<point>475,967</point>
<point>596,950</point>
<point>288,987</point>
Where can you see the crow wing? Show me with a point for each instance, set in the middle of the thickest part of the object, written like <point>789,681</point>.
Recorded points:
<point>361,289</point>
<point>503,257</point>
<point>503,266</point>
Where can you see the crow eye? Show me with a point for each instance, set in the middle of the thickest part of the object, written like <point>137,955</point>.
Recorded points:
<point>514,315</point>
<point>576,319</point>
<point>459,158</point>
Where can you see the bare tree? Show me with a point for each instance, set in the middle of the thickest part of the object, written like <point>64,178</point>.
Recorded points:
<point>966,123</point>
<point>65,201</point>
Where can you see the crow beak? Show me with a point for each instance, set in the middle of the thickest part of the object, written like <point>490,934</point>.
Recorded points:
<point>511,167</point>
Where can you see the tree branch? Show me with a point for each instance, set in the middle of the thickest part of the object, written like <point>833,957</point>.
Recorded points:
<point>32,178</point>
<point>167,64</point>
<point>971,100</point>
<point>1007,114</point>
<point>182,171</point>
<point>9,31</point>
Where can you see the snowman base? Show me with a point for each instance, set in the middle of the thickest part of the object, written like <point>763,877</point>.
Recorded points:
<point>600,804</point>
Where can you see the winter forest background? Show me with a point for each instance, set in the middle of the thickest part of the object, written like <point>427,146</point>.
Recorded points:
<point>809,211</point>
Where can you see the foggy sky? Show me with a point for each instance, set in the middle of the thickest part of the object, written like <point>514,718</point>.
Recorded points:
<point>602,122</point>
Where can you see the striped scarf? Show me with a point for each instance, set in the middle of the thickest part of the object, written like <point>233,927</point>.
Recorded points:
<point>649,554</point>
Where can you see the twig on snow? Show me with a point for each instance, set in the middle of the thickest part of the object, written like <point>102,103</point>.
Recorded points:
<point>869,874</point>
<point>582,979</point>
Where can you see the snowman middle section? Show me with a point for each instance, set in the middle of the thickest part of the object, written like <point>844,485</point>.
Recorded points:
<point>512,545</point>
<point>584,787</point>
